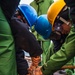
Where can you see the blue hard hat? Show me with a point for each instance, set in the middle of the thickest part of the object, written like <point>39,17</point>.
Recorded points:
<point>43,27</point>
<point>29,13</point>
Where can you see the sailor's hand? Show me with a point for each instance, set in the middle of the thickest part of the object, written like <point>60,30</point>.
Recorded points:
<point>35,71</point>
<point>32,70</point>
<point>38,71</point>
<point>36,60</point>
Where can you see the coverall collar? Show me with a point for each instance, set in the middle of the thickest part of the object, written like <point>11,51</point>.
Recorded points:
<point>39,1</point>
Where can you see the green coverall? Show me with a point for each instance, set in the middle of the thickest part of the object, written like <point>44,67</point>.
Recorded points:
<point>51,52</point>
<point>61,57</point>
<point>7,49</point>
<point>41,6</point>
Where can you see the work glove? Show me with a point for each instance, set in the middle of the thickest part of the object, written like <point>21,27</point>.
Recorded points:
<point>35,61</point>
<point>35,71</point>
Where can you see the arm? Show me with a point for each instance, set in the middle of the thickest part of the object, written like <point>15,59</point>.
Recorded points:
<point>9,7</point>
<point>61,57</point>
<point>24,38</point>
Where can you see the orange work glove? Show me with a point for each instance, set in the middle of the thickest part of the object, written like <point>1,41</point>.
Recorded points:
<point>36,60</point>
<point>34,65</point>
<point>38,71</point>
<point>35,71</point>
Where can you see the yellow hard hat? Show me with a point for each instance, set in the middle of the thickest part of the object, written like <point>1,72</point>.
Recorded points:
<point>54,10</point>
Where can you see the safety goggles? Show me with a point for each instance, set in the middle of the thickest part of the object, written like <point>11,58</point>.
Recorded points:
<point>63,20</point>
<point>59,22</point>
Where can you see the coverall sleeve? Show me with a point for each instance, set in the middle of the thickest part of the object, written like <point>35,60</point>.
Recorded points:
<point>60,58</point>
<point>24,39</point>
<point>9,7</point>
<point>7,48</point>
